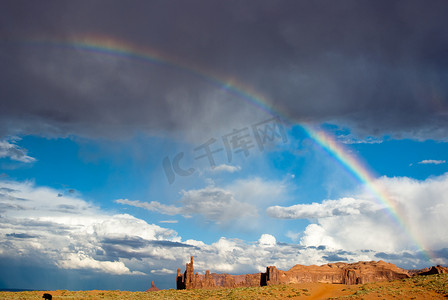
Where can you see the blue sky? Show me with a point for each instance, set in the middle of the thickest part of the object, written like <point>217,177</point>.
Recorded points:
<point>295,172</point>
<point>104,181</point>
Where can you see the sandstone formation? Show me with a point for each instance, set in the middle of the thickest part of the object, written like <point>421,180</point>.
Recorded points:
<point>434,270</point>
<point>153,288</point>
<point>342,273</point>
<point>189,280</point>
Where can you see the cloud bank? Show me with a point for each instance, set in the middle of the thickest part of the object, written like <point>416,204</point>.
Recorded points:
<point>363,223</point>
<point>41,228</point>
<point>71,233</point>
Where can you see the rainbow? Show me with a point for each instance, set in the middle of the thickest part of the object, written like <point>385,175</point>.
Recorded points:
<point>360,171</point>
<point>113,47</point>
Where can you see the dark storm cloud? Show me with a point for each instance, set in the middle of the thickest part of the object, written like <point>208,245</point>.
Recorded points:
<point>67,207</point>
<point>442,253</point>
<point>169,244</point>
<point>377,67</point>
<point>334,257</point>
<point>394,256</point>
<point>133,242</point>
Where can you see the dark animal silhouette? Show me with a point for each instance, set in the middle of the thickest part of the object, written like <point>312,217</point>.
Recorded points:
<point>47,296</point>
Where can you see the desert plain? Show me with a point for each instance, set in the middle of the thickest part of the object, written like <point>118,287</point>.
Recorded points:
<point>417,287</point>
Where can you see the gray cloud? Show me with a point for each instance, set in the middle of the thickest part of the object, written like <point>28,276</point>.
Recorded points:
<point>137,242</point>
<point>395,256</point>
<point>374,67</point>
<point>442,253</point>
<point>328,208</point>
<point>21,235</point>
<point>214,204</point>
<point>334,257</point>
<point>125,247</point>
<point>152,206</point>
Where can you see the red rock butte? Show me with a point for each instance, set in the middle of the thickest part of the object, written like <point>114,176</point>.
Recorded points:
<point>153,288</point>
<point>433,270</point>
<point>338,273</point>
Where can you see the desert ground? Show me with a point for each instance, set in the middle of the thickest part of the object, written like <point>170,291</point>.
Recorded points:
<point>419,287</point>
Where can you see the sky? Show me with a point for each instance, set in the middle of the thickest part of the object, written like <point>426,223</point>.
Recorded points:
<point>134,135</point>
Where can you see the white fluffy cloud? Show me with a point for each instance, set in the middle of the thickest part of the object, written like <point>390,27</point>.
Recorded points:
<point>362,222</point>
<point>237,201</point>
<point>82,261</point>
<point>169,221</point>
<point>163,271</point>
<point>316,235</point>
<point>267,240</point>
<point>9,149</point>
<point>226,168</point>
<point>37,223</point>
<point>328,208</point>
<point>432,162</point>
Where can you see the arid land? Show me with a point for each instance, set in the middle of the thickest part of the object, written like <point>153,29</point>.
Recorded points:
<point>417,287</point>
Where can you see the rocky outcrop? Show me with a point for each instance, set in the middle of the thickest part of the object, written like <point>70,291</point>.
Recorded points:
<point>189,280</point>
<point>434,270</point>
<point>153,288</point>
<point>342,273</point>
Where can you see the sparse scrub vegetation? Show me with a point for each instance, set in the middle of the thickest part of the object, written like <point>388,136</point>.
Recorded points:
<point>420,287</point>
